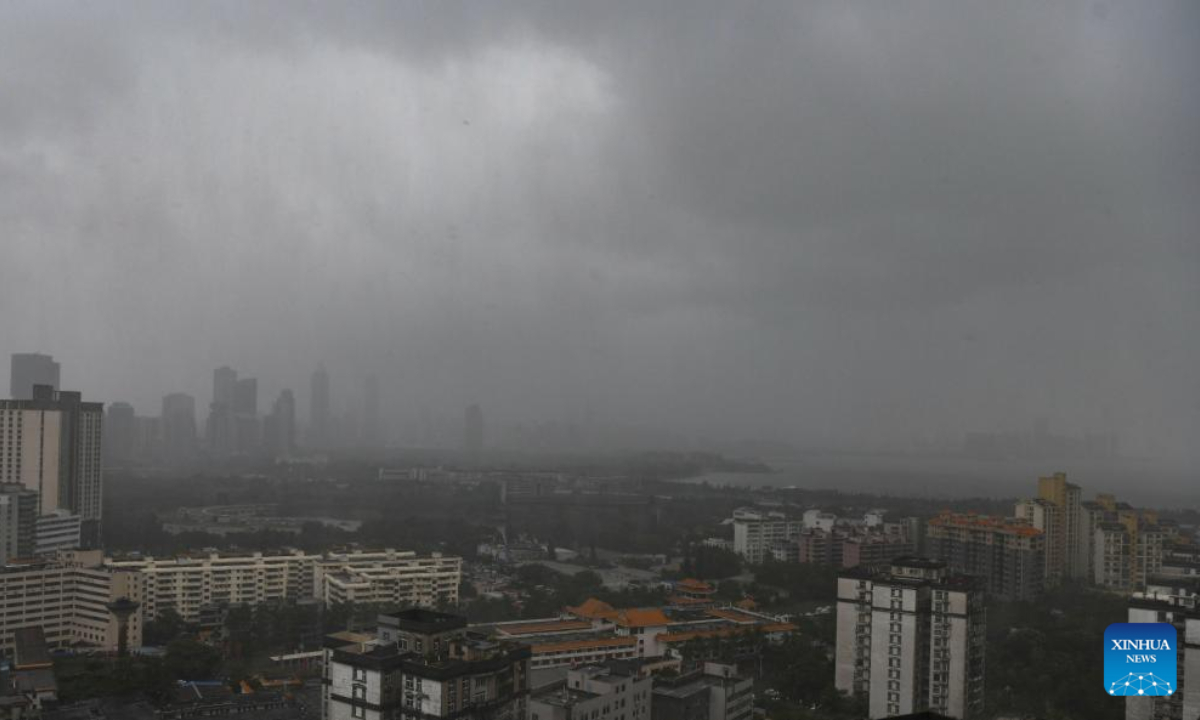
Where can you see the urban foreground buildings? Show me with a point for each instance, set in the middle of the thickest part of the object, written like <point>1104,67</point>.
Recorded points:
<point>51,444</point>
<point>68,596</point>
<point>1175,601</point>
<point>911,638</point>
<point>189,584</point>
<point>614,690</point>
<point>424,664</point>
<point>68,593</point>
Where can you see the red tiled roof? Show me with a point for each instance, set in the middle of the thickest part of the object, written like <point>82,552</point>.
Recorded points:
<point>568,645</point>
<point>593,609</point>
<point>642,617</point>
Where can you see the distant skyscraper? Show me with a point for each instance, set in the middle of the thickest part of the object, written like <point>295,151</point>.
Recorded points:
<point>56,451</point>
<point>248,429</point>
<point>318,410</point>
<point>372,433</point>
<point>120,433</point>
<point>473,436</point>
<point>179,428</point>
<point>280,426</point>
<point>224,385</point>
<point>29,369</point>
<point>245,396</point>
<point>221,429</point>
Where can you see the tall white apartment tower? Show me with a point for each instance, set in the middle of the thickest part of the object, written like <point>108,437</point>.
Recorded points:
<point>911,639</point>
<point>51,443</point>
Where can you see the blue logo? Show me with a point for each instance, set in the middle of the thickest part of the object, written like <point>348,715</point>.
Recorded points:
<point>1139,659</point>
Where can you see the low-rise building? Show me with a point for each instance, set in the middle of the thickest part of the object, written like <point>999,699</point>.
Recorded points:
<point>68,596</point>
<point>189,584</point>
<point>713,690</point>
<point>424,664</point>
<point>755,532</point>
<point>609,691</point>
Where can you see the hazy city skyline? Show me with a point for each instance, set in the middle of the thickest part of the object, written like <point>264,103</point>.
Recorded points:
<point>957,217</point>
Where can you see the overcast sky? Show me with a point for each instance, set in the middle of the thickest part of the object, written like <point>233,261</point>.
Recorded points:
<point>841,222</point>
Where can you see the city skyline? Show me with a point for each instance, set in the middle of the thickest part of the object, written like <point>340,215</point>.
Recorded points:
<point>556,217</point>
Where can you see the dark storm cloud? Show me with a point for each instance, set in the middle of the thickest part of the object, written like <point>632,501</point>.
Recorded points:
<point>814,221</point>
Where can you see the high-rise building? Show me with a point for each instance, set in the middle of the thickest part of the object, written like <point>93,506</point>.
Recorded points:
<point>224,386</point>
<point>424,664</point>
<point>179,428</point>
<point>911,639</point>
<point>245,396</point>
<point>1008,556</point>
<point>279,429</point>
<point>18,515</point>
<point>1175,601</point>
<point>319,419</point>
<point>372,431</point>
<point>54,447</point>
<point>29,369</point>
<point>119,434</point>
<point>221,430</point>
<point>473,432</point>
<point>1063,534</point>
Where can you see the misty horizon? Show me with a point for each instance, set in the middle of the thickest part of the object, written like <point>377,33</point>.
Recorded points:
<point>838,225</point>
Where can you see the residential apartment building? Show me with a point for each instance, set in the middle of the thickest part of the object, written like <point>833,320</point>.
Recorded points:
<point>424,664</point>
<point>608,691</point>
<point>1058,512</point>
<point>1175,601</point>
<point>51,444</point>
<point>399,579</point>
<point>190,583</point>
<point>1128,551</point>
<point>1006,555</point>
<point>755,532</point>
<point>911,638</point>
<point>68,597</point>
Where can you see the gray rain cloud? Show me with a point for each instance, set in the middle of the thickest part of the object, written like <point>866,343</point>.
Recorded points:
<point>829,223</point>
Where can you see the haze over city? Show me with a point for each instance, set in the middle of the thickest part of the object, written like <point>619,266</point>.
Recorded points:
<point>826,224</point>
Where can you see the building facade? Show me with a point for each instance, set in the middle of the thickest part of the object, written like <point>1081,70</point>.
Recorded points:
<point>911,639</point>
<point>52,444</point>
<point>1173,601</point>
<point>190,583</point>
<point>18,515</point>
<point>68,596</point>
<point>608,691</point>
<point>754,533</point>
<point>424,664</point>
<point>1008,556</point>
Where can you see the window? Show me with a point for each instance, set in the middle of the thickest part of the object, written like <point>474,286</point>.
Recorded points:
<point>360,674</point>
